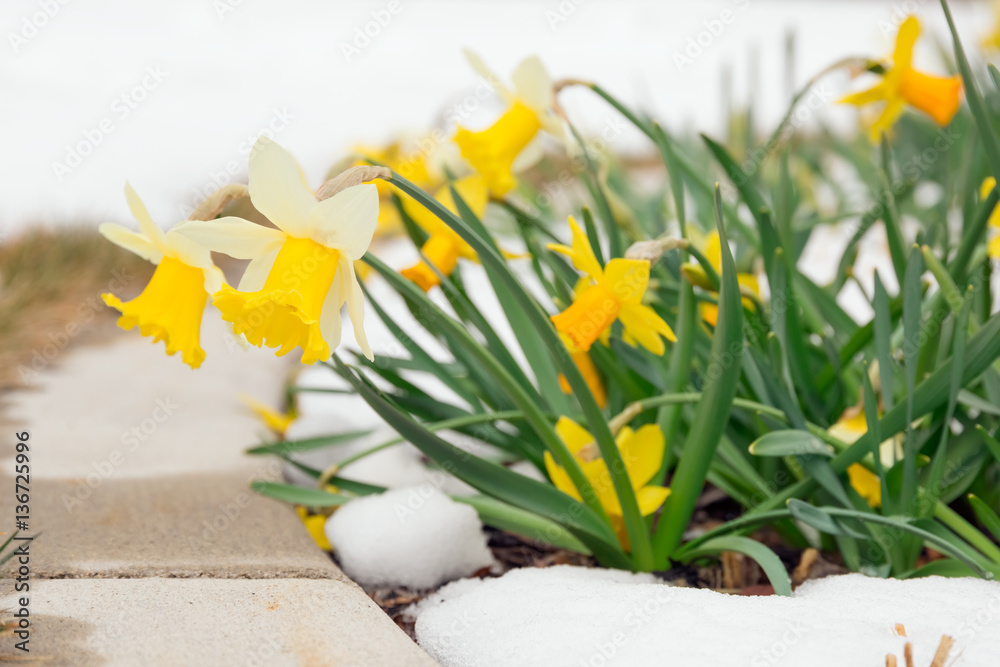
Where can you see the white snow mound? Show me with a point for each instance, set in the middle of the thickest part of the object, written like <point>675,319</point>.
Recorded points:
<point>415,537</point>
<point>580,617</point>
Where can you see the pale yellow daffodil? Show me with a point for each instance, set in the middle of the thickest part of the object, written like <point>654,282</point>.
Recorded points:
<point>506,147</point>
<point>171,306</point>
<point>642,454</point>
<point>615,293</point>
<point>302,273</point>
<point>939,97</point>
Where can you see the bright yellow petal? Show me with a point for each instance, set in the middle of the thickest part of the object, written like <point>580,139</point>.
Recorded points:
<point>866,483</point>
<point>851,426</point>
<point>651,498</point>
<point>316,525</point>
<point>713,250</point>
<point>902,55</point>
<point>642,453</point>
<point>890,114</point>
<point>994,247</point>
<point>876,93</point>
<point>590,375</point>
<point>274,420</point>
<point>560,478</point>
<point>627,279</point>
<point>582,253</point>
<point>646,327</point>
<point>572,434</point>
<point>709,312</point>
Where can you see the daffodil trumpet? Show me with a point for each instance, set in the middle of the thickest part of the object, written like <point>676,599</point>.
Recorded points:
<point>171,306</point>
<point>301,272</point>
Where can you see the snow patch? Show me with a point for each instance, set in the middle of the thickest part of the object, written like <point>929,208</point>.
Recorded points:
<point>595,618</point>
<point>415,537</point>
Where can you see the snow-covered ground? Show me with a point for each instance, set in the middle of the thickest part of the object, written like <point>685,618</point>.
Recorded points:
<point>574,617</point>
<point>171,95</point>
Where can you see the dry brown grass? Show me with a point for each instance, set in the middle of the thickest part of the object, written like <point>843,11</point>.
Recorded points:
<point>50,286</point>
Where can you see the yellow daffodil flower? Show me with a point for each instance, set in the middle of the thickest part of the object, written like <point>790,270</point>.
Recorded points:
<point>273,419</point>
<point>615,293</point>
<point>642,454</point>
<point>939,97</point>
<point>712,249</point>
<point>984,190</point>
<point>444,246</point>
<point>171,306</point>
<point>302,273</point>
<point>315,524</point>
<point>851,426</point>
<point>506,146</point>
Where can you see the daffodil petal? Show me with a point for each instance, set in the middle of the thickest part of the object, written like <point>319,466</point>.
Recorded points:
<point>214,279</point>
<point>902,55</point>
<point>232,236</point>
<point>572,434</point>
<point>533,85</point>
<point>134,242</point>
<point>642,453</point>
<point>355,306</point>
<point>486,73</point>
<point>876,93</point>
<point>626,279</point>
<point>278,189</point>
<point>257,270</point>
<point>142,216</point>
<point>560,478</point>
<point>642,323</point>
<point>890,114</point>
<point>347,220</point>
<point>650,498</point>
<point>330,322</point>
<point>186,250</point>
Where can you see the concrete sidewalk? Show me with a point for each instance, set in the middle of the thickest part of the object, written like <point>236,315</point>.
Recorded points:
<point>153,550</point>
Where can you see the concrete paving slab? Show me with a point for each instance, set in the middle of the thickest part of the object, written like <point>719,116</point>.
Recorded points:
<point>191,526</point>
<point>152,622</point>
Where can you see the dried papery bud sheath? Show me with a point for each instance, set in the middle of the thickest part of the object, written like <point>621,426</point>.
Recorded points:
<point>350,178</point>
<point>652,250</point>
<point>216,202</point>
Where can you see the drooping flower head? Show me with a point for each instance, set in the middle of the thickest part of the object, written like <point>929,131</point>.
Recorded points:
<point>302,273</point>
<point>939,97</point>
<point>444,246</point>
<point>171,306</point>
<point>642,454</point>
<point>506,146</point>
<point>615,293</point>
<point>984,190</point>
